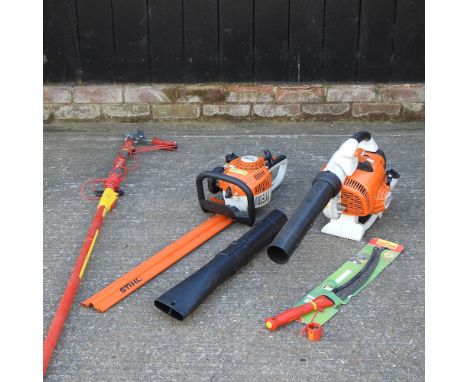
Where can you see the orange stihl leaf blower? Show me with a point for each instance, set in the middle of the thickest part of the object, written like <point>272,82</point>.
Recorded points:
<point>364,195</point>
<point>353,189</point>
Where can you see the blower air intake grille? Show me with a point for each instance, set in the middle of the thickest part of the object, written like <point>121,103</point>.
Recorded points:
<point>379,203</point>
<point>259,175</point>
<point>355,197</point>
<point>263,185</point>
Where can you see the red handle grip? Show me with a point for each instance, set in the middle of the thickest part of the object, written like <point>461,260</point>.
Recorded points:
<point>321,302</point>
<point>287,316</point>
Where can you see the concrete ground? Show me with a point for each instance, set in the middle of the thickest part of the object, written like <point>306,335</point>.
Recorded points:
<point>378,337</point>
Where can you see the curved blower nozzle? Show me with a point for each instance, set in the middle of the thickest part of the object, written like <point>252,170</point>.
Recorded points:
<point>184,298</point>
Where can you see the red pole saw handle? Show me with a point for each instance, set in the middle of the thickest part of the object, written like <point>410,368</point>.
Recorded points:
<point>319,303</point>
<point>107,200</point>
<point>67,299</point>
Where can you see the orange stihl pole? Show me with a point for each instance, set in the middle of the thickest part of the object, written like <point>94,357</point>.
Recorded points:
<point>108,197</point>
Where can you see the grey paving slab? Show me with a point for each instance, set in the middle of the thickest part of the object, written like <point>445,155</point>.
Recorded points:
<point>378,337</point>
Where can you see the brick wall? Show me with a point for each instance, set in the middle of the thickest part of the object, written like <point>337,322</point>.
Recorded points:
<point>240,102</point>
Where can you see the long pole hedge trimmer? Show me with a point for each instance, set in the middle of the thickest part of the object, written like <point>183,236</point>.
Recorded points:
<point>107,198</point>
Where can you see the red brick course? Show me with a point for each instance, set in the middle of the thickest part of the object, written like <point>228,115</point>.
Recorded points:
<point>351,93</point>
<point>225,101</point>
<point>326,109</point>
<point>376,109</point>
<point>148,94</point>
<point>295,94</point>
<point>126,111</point>
<point>178,111</point>
<point>97,94</point>
<point>76,112</point>
<point>250,93</point>
<point>271,111</point>
<point>413,111</point>
<point>56,95</point>
<point>401,93</point>
<point>200,94</point>
<point>229,110</point>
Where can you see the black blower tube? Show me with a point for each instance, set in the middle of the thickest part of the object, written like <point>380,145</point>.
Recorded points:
<point>324,187</point>
<point>182,300</point>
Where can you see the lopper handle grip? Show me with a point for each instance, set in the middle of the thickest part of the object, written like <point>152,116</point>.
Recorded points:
<point>287,316</point>
<point>319,303</point>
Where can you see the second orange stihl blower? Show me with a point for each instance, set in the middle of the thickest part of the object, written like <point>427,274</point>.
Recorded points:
<point>353,189</point>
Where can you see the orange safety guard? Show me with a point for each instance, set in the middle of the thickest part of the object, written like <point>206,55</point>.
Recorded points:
<point>156,264</point>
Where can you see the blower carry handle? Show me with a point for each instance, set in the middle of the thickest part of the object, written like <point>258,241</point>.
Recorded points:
<point>362,136</point>
<point>209,206</point>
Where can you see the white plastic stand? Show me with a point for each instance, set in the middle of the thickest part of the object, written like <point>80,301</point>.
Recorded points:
<point>348,226</point>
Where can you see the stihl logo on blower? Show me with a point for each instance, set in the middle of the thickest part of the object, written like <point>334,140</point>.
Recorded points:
<point>242,185</point>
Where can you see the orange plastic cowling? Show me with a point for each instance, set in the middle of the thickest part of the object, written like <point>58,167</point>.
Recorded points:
<point>255,174</point>
<point>364,192</point>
